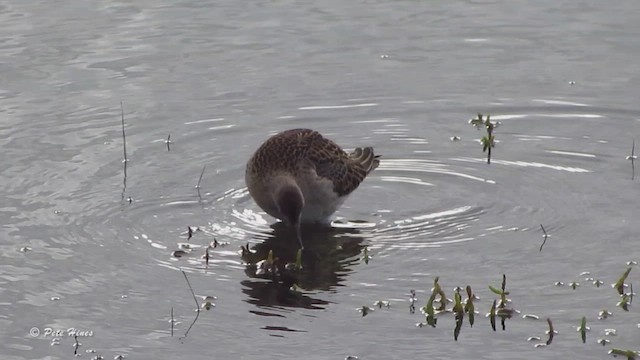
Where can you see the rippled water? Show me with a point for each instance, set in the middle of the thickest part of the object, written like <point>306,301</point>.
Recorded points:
<point>86,247</point>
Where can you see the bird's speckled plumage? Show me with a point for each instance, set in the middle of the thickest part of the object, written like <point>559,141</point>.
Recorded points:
<point>318,167</point>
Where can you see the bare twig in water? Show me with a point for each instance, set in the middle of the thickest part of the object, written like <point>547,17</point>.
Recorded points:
<point>551,331</point>
<point>168,142</point>
<point>77,345</point>
<point>197,305</point>
<point>632,157</point>
<point>124,136</point>
<point>172,322</point>
<point>545,236</point>
<point>200,180</point>
<point>124,147</point>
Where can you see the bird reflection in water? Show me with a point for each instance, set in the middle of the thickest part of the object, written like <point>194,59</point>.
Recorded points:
<point>328,255</point>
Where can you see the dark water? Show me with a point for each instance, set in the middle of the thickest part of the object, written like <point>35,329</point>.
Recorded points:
<point>403,76</point>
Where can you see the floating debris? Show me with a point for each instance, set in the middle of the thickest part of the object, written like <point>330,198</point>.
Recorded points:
<point>551,332</point>
<point>178,253</point>
<point>412,301</point>
<point>603,314</point>
<point>206,256</point>
<point>364,310</point>
<point>382,303</point>
<point>208,304</point>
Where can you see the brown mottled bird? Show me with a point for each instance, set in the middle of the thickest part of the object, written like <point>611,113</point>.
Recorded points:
<point>299,176</point>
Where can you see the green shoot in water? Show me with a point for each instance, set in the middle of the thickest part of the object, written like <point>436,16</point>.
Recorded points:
<point>583,329</point>
<point>619,285</point>
<point>488,141</point>
<point>469,308</point>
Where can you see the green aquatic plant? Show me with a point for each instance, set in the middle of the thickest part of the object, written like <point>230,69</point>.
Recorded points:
<point>437,290</point>
<point>503,294</point>
<point>501,309</point>
<point>172,321</point>
<point>619,285</point>
<point>583,329</point>
<point>625,302</point>
<point>630,354</point>
<point>469,308</point>
<point>298,265</point>
<point>365,255</point>
<point>488,141</point>
<point>458,310</point>
<point>429,311</point>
